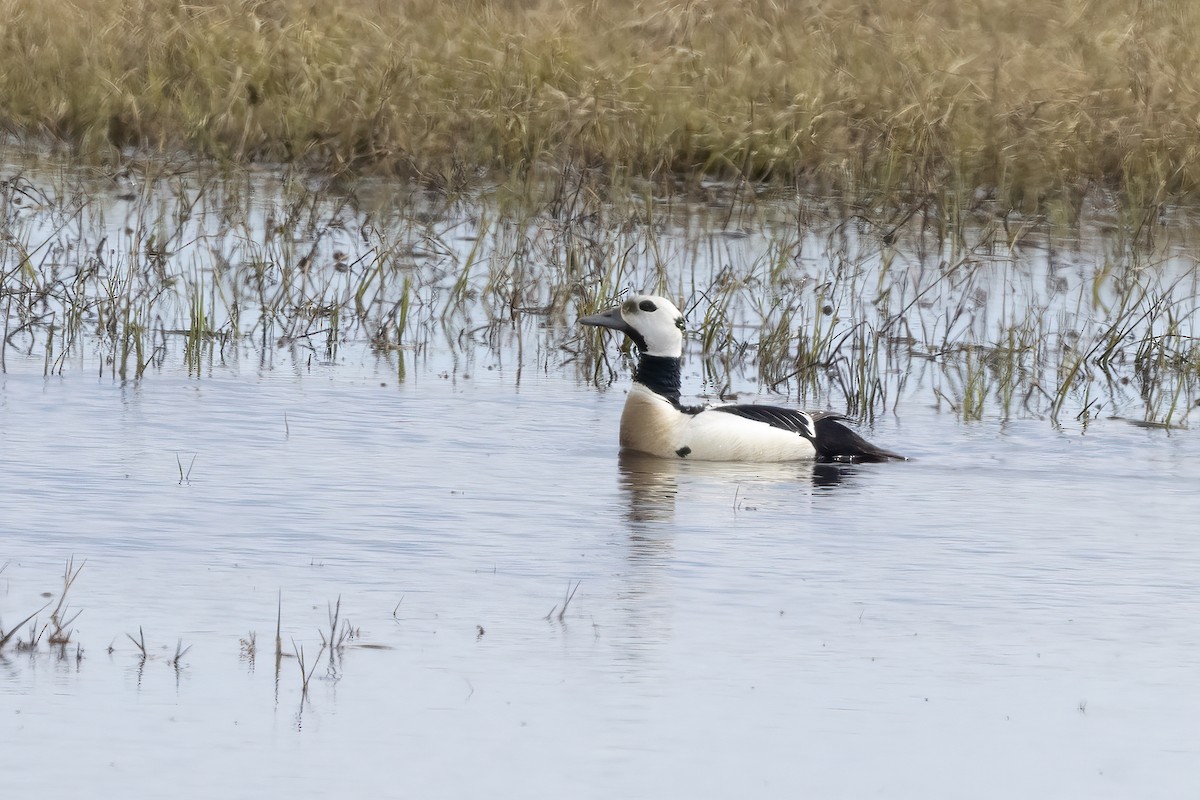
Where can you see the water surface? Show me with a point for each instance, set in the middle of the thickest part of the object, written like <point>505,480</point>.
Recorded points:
<point>1010,614</point>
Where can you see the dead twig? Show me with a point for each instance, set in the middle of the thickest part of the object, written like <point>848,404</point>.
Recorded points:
<point>566,602</point>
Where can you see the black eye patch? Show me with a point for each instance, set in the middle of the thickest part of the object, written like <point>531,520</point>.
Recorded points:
<point>647,306</point>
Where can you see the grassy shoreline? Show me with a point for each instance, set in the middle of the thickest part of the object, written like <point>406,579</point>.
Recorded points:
<point>1033,106</point>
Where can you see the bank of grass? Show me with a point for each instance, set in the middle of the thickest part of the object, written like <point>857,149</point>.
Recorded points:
<point>1031,103</point>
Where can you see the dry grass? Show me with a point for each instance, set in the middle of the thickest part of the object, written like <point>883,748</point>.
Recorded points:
<point>1032,103</point>
<point>58,627</point>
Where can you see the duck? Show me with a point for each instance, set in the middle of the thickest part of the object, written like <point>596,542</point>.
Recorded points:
<point>655,422</point>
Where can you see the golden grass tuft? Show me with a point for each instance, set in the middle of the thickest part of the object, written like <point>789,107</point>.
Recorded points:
<point>1026,103</point>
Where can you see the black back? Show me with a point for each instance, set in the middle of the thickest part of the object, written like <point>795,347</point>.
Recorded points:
<point>832,440</point>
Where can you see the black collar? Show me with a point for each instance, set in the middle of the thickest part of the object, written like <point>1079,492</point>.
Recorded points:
<point>661,375</point>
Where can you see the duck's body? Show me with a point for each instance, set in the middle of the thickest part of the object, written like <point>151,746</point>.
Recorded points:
<point>652,424</point>
<point>655,422</point>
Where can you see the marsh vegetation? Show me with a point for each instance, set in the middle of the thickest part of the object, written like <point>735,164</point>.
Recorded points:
<point>47,633</point>
<point>852,197</point>
<point>861,309</point>
<point>1033,106</point>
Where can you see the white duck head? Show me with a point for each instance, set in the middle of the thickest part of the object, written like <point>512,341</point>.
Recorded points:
<point>653,323</point>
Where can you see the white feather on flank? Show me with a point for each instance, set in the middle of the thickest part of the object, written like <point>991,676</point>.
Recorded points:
<point>651,424</point>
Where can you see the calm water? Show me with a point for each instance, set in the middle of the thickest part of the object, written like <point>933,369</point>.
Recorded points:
<point>1011,614</point>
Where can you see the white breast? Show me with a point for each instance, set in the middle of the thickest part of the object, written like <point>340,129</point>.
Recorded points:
<point>651,424</point>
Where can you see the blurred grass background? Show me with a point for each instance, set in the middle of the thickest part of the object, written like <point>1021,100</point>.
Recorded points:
<point>1028,103</point>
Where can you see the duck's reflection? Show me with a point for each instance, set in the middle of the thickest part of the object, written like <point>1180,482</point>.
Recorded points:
<point>650,487</point>
<point>833,475</point>
<point>651,484</point>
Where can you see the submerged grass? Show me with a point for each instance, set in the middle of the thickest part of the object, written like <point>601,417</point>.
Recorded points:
<point>57,633</point>
<point>944,103</point>
<point>58,626</point>
<point>836,305</point>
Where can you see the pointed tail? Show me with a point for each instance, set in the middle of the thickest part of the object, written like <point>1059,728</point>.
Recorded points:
<point>835,442</point>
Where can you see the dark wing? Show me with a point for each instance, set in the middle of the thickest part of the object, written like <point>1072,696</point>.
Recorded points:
<point>833,440</point>
<point>777,417</point>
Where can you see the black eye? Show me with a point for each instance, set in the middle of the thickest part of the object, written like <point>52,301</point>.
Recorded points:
<point>679,323</point>
<point>647,305</point>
